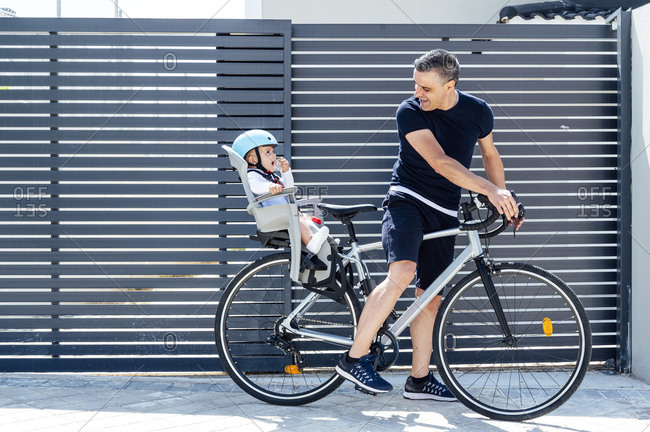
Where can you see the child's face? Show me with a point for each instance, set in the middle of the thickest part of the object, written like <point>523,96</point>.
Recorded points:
<point>268,157</point>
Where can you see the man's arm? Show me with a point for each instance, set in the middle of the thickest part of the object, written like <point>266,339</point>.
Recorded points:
<point>492,161</point>
<point>426,144</point>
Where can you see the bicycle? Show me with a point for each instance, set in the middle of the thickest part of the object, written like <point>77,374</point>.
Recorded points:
<point>528,328</point>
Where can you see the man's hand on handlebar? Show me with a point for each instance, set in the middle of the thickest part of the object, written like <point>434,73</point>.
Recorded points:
<point>506,205</point>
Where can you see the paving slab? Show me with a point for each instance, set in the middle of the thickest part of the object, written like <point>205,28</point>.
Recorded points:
<point>101,403</point>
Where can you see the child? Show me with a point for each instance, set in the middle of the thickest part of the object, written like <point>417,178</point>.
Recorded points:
<point>256,147</point>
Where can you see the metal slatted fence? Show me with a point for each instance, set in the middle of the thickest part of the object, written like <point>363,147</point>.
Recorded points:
<point>120,222</point>
<point>115,234</point>
<point>553,90</point>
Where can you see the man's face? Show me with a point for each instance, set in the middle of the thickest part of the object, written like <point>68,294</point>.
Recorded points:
<point>431,90</point>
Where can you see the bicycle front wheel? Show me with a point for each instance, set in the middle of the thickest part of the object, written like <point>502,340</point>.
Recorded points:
<point>271,365</point>
<point>532,373</point>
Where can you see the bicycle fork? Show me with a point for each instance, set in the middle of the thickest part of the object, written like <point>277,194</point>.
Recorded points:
<point>484,272</point>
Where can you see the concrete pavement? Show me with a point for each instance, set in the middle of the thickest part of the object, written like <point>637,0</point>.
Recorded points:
<point>86,402</point>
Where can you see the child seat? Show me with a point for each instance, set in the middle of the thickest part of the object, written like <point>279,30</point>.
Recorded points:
<point>276,218</point>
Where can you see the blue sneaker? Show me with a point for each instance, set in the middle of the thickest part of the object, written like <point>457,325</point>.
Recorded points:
<point>363,374</point>
<point>431,389</point>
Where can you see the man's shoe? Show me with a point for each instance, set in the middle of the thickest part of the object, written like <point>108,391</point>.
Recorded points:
<point>363,374</point>
<point>431,389</point>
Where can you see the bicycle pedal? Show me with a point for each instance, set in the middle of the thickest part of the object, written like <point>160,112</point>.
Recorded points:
<point>364,391</point>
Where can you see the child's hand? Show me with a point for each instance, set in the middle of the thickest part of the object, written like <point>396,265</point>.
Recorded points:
<point>284,164</point>
<point>275,189</point>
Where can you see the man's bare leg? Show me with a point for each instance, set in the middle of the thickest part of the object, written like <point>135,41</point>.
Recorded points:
<point>380,303</point>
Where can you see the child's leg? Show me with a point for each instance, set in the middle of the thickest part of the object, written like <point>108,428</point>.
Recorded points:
<point>305,232</point>
<point>312,241</point>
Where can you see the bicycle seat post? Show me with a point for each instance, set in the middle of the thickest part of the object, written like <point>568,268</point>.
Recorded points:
<point>348,224</point>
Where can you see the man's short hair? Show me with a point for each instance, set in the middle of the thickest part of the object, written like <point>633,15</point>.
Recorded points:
<point>444,63</point>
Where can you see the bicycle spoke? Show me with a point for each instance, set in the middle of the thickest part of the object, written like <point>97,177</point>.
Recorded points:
<point>263,359</point>
<point>517,378</point>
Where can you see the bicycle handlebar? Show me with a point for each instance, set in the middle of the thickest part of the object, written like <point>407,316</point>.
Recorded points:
<point>482,201</point>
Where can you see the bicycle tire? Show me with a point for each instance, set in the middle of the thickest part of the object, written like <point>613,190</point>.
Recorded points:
<point>536,374</point>
<point>252,303</point>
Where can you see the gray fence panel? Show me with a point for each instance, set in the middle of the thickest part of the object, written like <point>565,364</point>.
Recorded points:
<point>553,90</point>
<point>116,242</point>
<point>113,187</point>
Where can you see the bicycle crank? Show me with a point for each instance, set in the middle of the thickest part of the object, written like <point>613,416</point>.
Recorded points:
<point>387,349</point>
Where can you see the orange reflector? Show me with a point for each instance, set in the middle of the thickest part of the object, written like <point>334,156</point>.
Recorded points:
<point>292,369</point>
<point>547,325</point>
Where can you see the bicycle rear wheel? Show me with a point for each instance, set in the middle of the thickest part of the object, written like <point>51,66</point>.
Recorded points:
<point>280,368</point>
<point>533,374</point>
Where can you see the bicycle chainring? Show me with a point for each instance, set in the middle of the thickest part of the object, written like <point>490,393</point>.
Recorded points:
<point>386,353</point>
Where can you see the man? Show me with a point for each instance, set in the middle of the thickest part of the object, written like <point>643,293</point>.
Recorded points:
<point>438,128</point>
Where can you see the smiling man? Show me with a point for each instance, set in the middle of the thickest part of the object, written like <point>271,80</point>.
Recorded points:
<point>438,128</point>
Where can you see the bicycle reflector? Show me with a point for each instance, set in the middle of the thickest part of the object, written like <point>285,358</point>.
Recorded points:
<point>547,325</point>
<point>292,369</point>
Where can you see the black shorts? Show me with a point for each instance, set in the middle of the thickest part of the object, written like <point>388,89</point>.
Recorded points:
<point>406,220</point>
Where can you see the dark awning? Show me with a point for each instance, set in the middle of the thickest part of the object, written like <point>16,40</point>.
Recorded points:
<point>587,9</point>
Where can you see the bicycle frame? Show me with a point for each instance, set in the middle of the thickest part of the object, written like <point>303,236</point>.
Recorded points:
<point>472,251</point>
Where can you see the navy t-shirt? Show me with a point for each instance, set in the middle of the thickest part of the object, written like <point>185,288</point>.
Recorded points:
<point>456,129</point>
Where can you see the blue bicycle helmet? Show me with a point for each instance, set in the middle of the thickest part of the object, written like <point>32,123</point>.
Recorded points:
<point>252,139</point>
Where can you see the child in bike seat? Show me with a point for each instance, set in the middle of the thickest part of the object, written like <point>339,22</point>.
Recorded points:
<point>268,173</point>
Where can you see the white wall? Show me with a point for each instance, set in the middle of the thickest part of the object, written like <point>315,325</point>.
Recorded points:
<point>378,11</point>
<point>390,11</point>
<point>640,157</point>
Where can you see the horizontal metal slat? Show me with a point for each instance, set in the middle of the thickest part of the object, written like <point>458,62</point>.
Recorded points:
<point>26,191</point>
<point>179,295</point>
<point>257,55</point>
<point>494,99</point>
<point>80,160</point>
<point>104,309</point>
<point>121,244</point>
<point>145,215</point>
<point>523,150</point>
<point>130,67</point>
<point>517,136</point>
<point>516,60</point>
<point>146,26</point>
<point>125,283</point>
<point>231,109</point>
<point>117,270</point>
<point>339,42</point>
<point>98,174</point>
<point>167,337</point>
<point>136,95</point>
<point>99,202</point>
<point>121,256</point>
<point>326,70</point>
<point>474,85</point>
<point>187,123</point>
<point>434,31</point>
<point>154,40</point>
<point>106,350</point>
<point>359,110</point>
<point>243,81</point>
<point>499,123</point>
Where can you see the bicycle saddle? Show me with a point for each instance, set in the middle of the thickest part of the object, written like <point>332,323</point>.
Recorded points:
<point>346,212</point>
